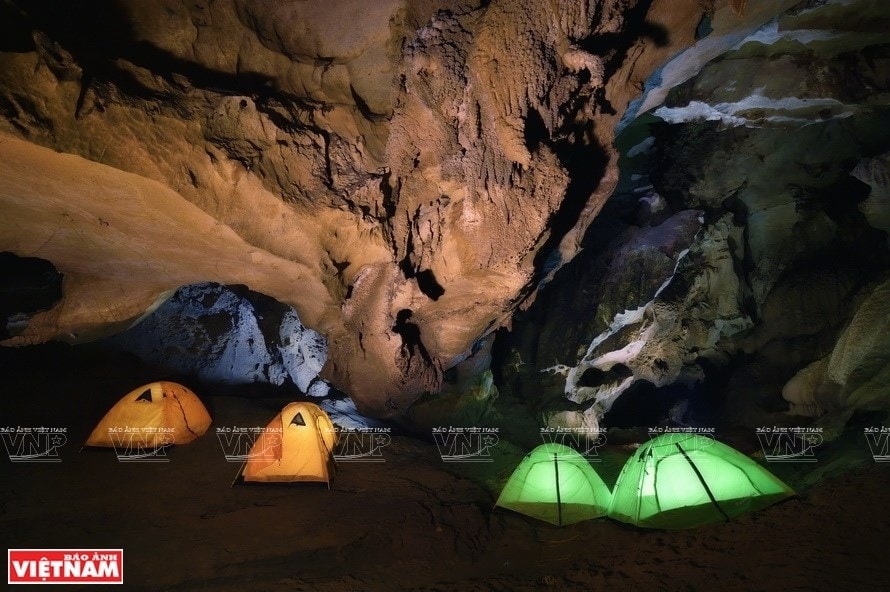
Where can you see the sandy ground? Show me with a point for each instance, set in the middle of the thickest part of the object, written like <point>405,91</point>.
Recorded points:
<point>409,523</point>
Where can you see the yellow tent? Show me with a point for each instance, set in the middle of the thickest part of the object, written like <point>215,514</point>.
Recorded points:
<point>296,446</point>
<point>153,415</point>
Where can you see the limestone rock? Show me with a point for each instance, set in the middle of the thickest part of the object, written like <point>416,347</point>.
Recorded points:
<point>856,375</point>
<point>404,174</point>
<point>659,342</point>
<point>223,335</point>
<point>768,127</point>
<point>464,407</point>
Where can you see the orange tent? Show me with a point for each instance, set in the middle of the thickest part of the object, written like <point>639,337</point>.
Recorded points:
<point>296,446</point>
<point>153,415</point>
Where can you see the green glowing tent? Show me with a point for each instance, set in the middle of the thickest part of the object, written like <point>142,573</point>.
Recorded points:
<point>556,484</point>
<point>686,480</point>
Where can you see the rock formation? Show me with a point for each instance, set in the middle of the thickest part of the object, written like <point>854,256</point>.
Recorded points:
<point>776,135</point>
<point>225,335</point>
<point>653,197</point>
<point>404,174</point>
<point>855,375</point>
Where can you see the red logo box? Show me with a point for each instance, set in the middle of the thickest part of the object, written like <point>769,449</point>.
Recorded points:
<point>65,566</point>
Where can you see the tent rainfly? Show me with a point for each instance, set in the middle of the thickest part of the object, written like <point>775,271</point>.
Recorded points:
<point>153,415</point>
<point>681,480</point>
<point>554,483</point>
<point>297,445</point>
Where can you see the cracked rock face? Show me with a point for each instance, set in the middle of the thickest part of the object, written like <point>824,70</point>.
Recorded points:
<point>404,174</point>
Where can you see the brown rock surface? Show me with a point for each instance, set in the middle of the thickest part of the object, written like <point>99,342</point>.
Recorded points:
<point>397,171</point>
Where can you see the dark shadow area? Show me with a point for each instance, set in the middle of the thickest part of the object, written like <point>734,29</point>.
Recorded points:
<point>15,34</point>
<point>410,334</point>
<point>27,285</point>
<point>81,381</point>
<point>680,151</point>
<point>363,107</point>
<point>594,377</point>
<point>428,284</point>
<point>635,27</point>
<point>613,48</point>
<point>574,293</point>
<point>840,201</point>
<point>704,27</point>
<point>535,132</point>
<point>644,405</point>
<point>99,32</point>
<point>577,153</point>
<point>390,193</point>
<point>586,164</point>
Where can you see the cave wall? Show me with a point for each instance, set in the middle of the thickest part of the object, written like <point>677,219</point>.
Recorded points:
<point>227,335</point>
<point>404,174</point>
<point>746,240</point>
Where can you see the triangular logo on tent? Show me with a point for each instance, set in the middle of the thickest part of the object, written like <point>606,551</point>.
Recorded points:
<point>131,425</point>
<point>287,455</point>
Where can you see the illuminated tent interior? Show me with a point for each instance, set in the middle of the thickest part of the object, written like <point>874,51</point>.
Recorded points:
<point>686,480</point>
<point>297,445</point>
<point>556,484</point>
<point>153,415</point>
<point>461,229</point>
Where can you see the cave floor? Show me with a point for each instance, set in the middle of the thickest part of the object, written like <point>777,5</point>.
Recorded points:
<point>409,523</point>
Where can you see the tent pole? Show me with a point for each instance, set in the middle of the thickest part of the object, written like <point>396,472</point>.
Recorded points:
<point>702,479</point>
<point>558,498</point>
<point>239,475</point>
